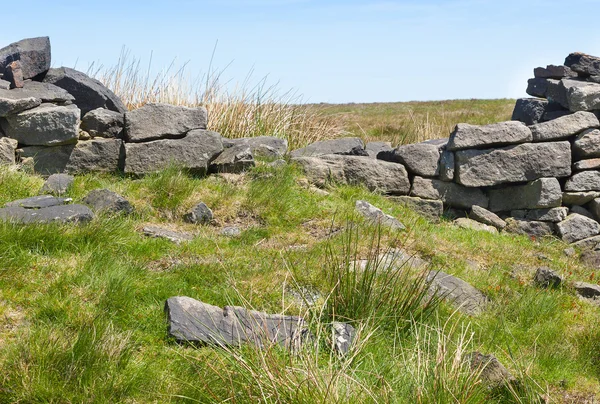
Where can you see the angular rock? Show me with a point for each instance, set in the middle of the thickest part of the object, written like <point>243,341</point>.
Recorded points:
<point>57,184</point>
<point>38,202</point>
<point>591,258</point>
<point>581,95</point>
<point>374,148</point>
<point>584,181</point>
<point>235,159</point>
<point>7,151</point>
<point>343,337</point>
<point>466,223</point>
<point>538,194</point>
<point>537,87</point>
<point>60,213</point>
<point>459,293</point>
<point>589,164</point>
<point>431,209</point>
<point>492,373</point>
<point>587,144</point>
<point>195,152</point>
<point>529,110</point>
<point>46,125</point>
<point>32,53</point>
<point>89,93</point>
<point>484,216</point>
<point>231,231</point>
<point>193,321</point>
<point>377,217</point>
<point>577,227</point>
<point>102,122</point>
<point>46,92</point>
<point>590,243</point>
<point>14,74</point>
<point>466,136</point>
<point>580,210</point>
<point>530,228</point>
<point>9,106</point>
<point>161,232</point>
<point>582,63</point>
<point>579,198</point>
<point>351,146</point>
<point>447,166</point>
<point>163,121</point>
<point>98,155</point>
<point>524,162</point>
<point>547,278</point>
<point>105,200</point>
<point>553,72</point>
<point>587,290</point>
<point>200,214</point>
<point>376,175</point>
<point>553,215</point>
<point>564,127</point>
<point>595,208</point>
<point>261,146</point>
<point>450,193</point>
<point>391,260</point>
<point>419,158</point>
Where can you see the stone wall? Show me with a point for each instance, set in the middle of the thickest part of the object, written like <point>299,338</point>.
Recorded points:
<point>537,174</point>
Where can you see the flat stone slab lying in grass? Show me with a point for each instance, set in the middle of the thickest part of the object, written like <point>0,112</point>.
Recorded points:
<point>60,213</point>
<point>466,298</point>
<point>193,321</point>
<point>376,216</point>
<point>38,202</point>
<point>161,232</point>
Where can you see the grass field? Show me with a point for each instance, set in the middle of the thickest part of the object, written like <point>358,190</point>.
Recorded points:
<point>81,307</point>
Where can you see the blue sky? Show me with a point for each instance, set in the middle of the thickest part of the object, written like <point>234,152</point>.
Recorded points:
<point>327,50</point>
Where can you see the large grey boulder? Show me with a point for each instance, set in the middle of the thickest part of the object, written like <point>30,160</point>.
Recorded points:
<point>520,163</point>
<point>459,293</point>
<point>532,228</point>
<point>57,184</point>
<point>577,227</point>
<point>584,181</point>
<point>431,209</point>
<point>554,72</point>
<point>351,146</point>
<point>589,164</point>
<point>105,200</point>
<point>163,121</point>
<point>587,144</point>
<point>102,122</point>
<point>419,158</point>
<point>538,194</point>
<point>537,87</point>
<point>193,321</point>
<point>32,53</point>
<point>235,159</point>
<point>261,146</point>
<point>529,110</point>
<point>200,214</point>
<point>7,151</point>
<point>89,93</point>
<point>553,215</point>
<point>376,175</point>
<point>46,125</point>
<point>484,216</point>
<point>376,216</point>
<point>98,155</point>
<point>10,106</point>
<point>466,136</point>
<point>564,127</point>
<point>580,95</point>
<point>195,152</point>
<point>451,194</point>
<point>58,213</point>
<point>582,63</point>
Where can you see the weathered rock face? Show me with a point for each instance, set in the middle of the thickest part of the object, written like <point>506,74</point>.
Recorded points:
<point>579,198</point>
<point>579,95</point>
<point>261,146</point>
<point>530,228</point>
<point>459,293</point>
<point>194,321</point>
<point>7,151</point>
<point>582,63</point>
<point>587,144</point>
<point>89,93</point>
<point>467,136</point>
<point>235,159</point>
<point>56,213</point>
<point>537,87</point>
<point>554,72</point>
<point>98,155</point>
<point>450,193</point>
<point>44,91</point>
<point>105,200</point>
<point>529,110</point>
<point>9,106</point>
<point>577,227</point>
<point>564,127</point>
<point>525,162</point>
<point>377,217</point>
<point>46,125</point>
<point>163,121</point>
<point>32,53</point>
<point>431,209</point>
<point>589,164</point>
<point>102,122</point>
<point>419,158</point>
<point>200,214</point>
<point>195,152</point>
<point>553,215</point>
<point>538,194</point>
<point>14,74</point>
<point>350,146</point>
<point>376,175</point>
<point>584,181</point>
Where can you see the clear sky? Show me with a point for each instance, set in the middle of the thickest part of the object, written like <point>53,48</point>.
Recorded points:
<point>327,50</point>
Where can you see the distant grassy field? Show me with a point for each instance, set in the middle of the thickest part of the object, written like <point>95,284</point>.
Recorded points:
<point>410,122</point>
